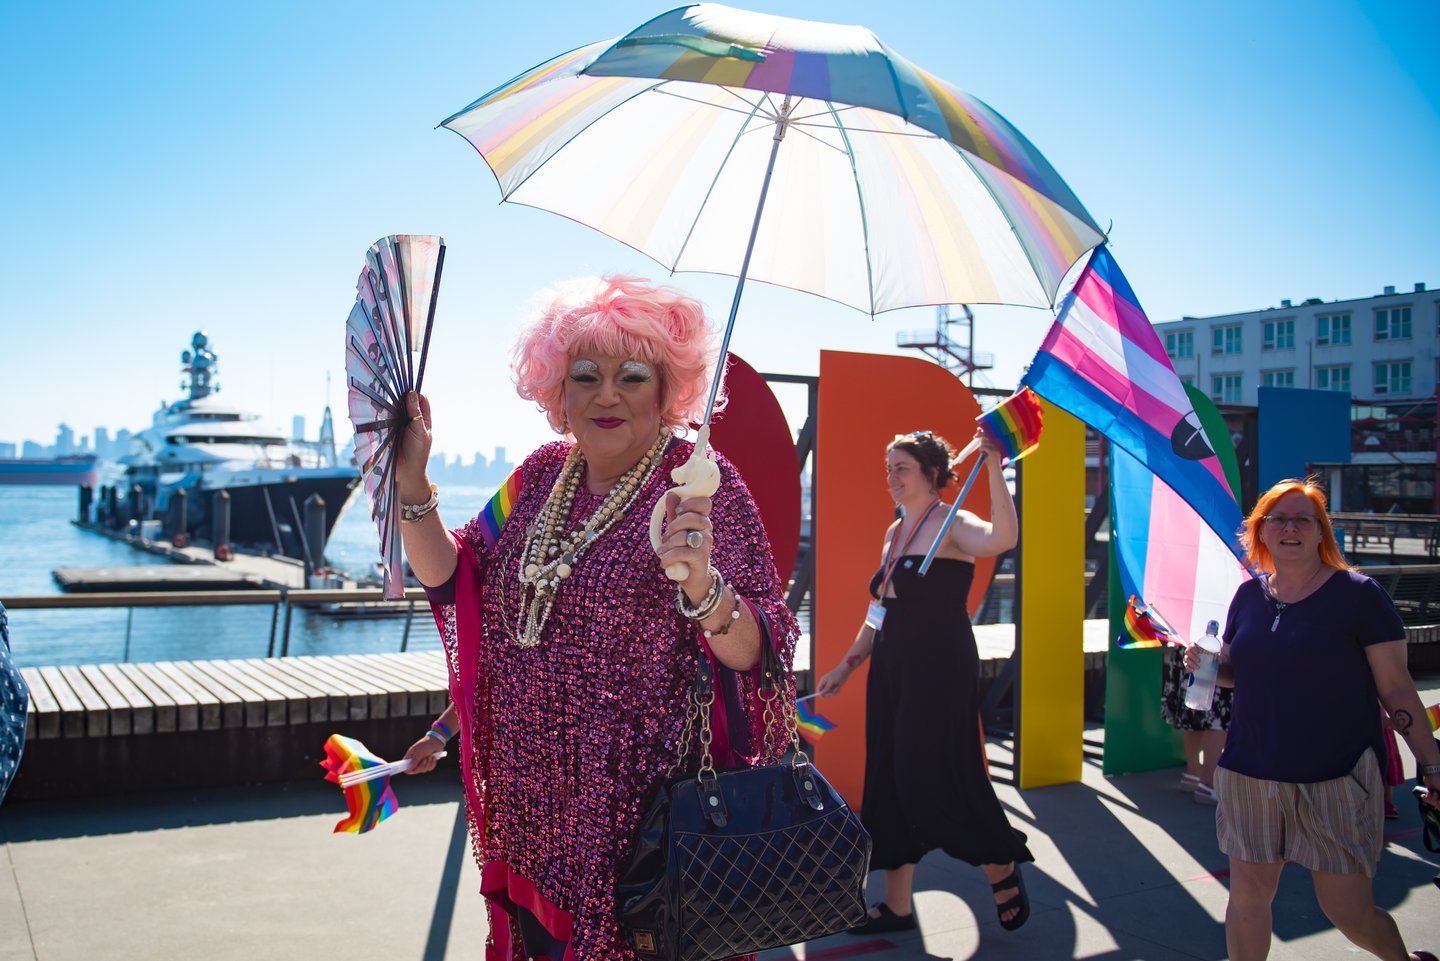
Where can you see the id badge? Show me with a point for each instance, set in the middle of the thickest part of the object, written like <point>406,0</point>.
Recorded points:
<point>875,616</point>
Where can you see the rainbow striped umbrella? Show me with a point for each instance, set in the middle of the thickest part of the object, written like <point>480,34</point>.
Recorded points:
<point>887,187</point>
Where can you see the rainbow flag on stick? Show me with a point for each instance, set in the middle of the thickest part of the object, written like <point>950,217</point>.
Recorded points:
<point>1144,627</point>
<point>811,723</point>
<point>1433,713</point>
<point>370,802</point>
<point>1015,424</point>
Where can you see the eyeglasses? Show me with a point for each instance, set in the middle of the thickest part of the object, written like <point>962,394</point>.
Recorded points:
<point>921,434</point>
<point>1301,522</point>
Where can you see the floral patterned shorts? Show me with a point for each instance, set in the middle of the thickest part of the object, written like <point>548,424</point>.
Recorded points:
<point>1172,699</point>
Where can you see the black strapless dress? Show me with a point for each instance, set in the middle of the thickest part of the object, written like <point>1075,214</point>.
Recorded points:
<point>926,786</point>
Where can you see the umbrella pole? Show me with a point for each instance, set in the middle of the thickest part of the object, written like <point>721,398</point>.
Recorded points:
<point>781,124</point>
<point>699,476</point>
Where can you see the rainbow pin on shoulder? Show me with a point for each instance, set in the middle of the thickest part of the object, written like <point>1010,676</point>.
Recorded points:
<point>497,509</point>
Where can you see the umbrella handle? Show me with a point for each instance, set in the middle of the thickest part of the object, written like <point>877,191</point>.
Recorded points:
<point>699,476</point>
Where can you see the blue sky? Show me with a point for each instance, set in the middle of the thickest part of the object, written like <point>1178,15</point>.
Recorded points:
<point>172,166</point>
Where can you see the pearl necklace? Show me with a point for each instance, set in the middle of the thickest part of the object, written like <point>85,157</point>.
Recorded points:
<point>550,556</point>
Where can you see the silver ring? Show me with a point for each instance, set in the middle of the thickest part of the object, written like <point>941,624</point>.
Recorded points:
<point>694,539</point>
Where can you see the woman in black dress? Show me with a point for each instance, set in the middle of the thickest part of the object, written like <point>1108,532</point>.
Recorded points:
<point>926,785</point>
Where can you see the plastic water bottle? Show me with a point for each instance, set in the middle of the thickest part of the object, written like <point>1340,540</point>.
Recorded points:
<point>1200,685</point>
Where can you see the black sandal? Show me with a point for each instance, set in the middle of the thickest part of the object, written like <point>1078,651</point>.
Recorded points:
<point>1021,900</point>
<point>887,922</point>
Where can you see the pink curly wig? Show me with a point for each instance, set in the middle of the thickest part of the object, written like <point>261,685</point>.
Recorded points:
<point>624,317</point>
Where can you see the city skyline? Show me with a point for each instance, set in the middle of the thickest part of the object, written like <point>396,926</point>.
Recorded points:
<point>444,463</point>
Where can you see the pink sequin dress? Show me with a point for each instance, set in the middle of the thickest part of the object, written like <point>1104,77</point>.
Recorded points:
<point>562,744</point>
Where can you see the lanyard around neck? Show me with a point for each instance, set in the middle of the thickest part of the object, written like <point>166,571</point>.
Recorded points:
<point>887,564</point>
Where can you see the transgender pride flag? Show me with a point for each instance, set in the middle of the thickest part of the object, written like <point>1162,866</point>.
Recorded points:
<point>1104,363</point>
<point>1165,553</point>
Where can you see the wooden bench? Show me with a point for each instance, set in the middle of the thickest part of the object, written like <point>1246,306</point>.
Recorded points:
<point>101,700</point>
<point>110,728</point>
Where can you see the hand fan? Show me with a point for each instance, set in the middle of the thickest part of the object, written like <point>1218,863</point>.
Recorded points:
<point>394,310</point>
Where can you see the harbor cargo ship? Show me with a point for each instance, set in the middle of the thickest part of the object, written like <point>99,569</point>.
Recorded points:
<point>73,469</point>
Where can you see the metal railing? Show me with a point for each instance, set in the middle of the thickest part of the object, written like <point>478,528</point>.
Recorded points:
<point>1419,534</point>
<point>283,602</point>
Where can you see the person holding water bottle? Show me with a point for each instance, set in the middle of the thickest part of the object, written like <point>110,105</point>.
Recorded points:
<point>1201,713</point>
<point>1310,646</point>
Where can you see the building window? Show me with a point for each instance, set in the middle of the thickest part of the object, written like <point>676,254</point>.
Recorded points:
<point>1333,378</point>
<point>1180,343</point>
<point>1279,378</point>
<point>1392,377</point>
<point>1190,378</point>
<point>1226,340</point>
<point>1225,388</point>
<point>1332,329</point>
<point>1279,335</point>
<point>1392,323</point>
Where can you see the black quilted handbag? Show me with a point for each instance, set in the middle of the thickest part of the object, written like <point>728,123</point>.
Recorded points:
<point>732,862</point>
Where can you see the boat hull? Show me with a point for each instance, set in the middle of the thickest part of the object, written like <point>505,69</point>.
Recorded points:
<point>265,515</point>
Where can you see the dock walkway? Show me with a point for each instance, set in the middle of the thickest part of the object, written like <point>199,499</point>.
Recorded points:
<point>242,570</point>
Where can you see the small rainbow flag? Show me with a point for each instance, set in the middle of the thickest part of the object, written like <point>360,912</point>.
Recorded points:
<point>1433,713</point>
<point>1144,627</point>
<point>492,518</point>
<point>811,723</point>
<point>370,802</point>
<point>1015,424</point>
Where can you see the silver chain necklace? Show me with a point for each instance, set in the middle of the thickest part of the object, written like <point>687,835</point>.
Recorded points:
<point>1281,605</point>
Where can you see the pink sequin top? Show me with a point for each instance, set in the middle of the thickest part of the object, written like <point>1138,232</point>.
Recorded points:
<point>567,740</point>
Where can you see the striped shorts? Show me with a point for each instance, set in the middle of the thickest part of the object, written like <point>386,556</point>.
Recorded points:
<point>1336,826</point>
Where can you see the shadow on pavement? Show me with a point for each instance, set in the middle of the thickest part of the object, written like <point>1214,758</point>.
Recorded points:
<point>160,810</point>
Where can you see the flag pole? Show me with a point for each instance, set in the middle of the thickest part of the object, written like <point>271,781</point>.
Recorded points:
<point>955,507</point>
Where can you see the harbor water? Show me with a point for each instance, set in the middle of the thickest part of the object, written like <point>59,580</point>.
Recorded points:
<point>37,536</point>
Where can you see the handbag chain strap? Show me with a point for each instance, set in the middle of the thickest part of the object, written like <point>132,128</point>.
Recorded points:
<point>773,695</point>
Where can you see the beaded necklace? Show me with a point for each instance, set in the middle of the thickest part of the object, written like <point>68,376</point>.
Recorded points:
<point>550,555</point>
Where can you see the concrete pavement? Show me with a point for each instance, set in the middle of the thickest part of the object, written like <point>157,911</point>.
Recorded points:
<point>1126,868</point>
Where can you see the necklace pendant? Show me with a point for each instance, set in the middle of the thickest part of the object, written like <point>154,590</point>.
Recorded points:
<point>1275,624</point>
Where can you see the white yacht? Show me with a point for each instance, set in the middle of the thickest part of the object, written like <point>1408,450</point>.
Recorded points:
<point>202,446</point>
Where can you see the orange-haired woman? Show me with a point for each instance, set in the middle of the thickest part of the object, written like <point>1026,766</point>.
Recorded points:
<point>1310,646</point>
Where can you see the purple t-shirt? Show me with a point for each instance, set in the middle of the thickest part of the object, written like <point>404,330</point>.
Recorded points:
<point>1305,704</point>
